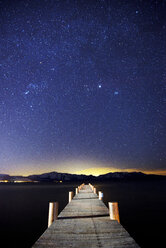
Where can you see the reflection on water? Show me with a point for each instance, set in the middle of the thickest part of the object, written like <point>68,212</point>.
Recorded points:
<point>24,210</point>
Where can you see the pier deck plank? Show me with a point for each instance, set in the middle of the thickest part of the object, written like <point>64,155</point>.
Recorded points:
<point>85,223</point>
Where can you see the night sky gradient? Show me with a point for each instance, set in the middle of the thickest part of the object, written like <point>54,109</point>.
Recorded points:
<point>82,85</point>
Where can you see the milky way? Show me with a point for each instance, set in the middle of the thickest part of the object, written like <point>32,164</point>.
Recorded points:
<point>82,81</point>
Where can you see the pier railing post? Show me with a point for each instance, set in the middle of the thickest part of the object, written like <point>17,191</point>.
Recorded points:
<point>53,212</point>
<point>76,191</point>
<point>114,211</point>
<point>70,196</point>
<point>92,187</point>
<point>101,195</point>
<point>82,185</point>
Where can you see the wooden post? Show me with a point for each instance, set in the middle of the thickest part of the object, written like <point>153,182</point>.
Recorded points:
<point>76,191</point>
<point>100,195</point>
<point>94,190</point>
<point>70,196</point>
<point>82,185</point>
<point>90,185</point>
<point>53,212</point>
<point>114,211</point>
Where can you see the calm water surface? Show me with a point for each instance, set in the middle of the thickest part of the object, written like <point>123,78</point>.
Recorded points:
<point>24,210</point>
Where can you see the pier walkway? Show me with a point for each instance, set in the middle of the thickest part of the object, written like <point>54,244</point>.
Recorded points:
<point>85,223</point>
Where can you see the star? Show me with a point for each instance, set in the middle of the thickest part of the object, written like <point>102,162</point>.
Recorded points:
<point>65,67</point>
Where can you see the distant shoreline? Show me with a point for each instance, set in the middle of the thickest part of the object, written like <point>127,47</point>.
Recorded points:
<point>58,178</point>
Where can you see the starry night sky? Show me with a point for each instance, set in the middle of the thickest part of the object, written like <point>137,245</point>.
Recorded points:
<point>82,84</point>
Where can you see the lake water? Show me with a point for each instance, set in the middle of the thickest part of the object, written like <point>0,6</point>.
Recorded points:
<point>24,210</point>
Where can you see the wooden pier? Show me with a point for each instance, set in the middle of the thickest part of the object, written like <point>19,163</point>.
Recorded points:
<point>84,223</point>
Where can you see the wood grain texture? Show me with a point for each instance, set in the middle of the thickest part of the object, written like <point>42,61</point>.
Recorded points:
<point>85,223</point>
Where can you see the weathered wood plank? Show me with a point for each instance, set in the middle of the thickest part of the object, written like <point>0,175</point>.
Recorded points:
<point>84,222</point>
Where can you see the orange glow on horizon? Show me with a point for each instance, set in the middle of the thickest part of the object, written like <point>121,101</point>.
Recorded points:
<point>75,168</point>
<point>101,171</point>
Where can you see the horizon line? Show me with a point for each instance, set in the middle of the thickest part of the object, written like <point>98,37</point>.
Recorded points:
<point>150,172</point>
